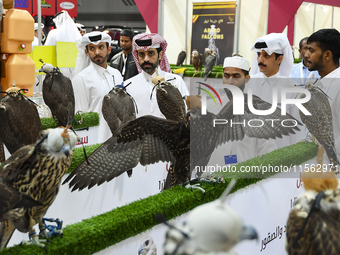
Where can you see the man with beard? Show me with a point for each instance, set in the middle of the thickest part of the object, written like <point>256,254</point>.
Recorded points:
<point>236,73</point>
<point>300,73</point>
<point>94,78</point>
<point>149,54</point>
<point>272,65</point>
<point>323,55</point>
<point>123,61</point>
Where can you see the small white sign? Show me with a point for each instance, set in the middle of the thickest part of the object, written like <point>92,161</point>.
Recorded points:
<point>67,5</point>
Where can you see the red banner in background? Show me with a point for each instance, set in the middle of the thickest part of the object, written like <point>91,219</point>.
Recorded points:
<point>48,7</point>
<point>68,5</point>
<point>24,5</point>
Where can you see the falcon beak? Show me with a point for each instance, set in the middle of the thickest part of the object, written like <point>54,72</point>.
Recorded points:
<point>66,149</point>
<point>248,233</point>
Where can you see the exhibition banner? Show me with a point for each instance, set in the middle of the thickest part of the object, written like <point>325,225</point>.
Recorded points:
<point>213,26</point>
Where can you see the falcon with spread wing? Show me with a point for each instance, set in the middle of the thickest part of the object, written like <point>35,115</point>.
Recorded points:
<point>149,139</point>
<point>36,170</point>
<point>20,124</point>
<point>320,122</point>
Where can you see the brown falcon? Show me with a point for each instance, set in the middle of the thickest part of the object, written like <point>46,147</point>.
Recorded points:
<point>169,100</point>
<point>11,199</point>
<point>320,122</point>
<point>181,57</point>
<point>196,60</point>
<point>118,108</point>
<point>186,144</point>
<point>36,170</point>
<point>58,94</point>
<point>20,123</point>
<point>313,225</point>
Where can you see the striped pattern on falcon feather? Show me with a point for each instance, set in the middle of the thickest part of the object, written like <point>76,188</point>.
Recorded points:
<point>118,108</point>
<point>149,139</point>
<point>209,137</point>
<point>145,140</point>
<point>36,170</point>
<point>20,124</point>
<point>58,94</point>
<point>318,210</point>
<point>11,199</point>
<point>320,122</point>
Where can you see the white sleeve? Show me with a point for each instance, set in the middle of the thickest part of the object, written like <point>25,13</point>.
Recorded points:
<point>51,38</point>
<point>265,146</point>
<point>81,94</point>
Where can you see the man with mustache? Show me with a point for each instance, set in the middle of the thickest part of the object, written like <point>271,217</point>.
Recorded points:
<point>149,54</point>
<point>272,65</point>
<point>94,78</point>
<point>323,55</point>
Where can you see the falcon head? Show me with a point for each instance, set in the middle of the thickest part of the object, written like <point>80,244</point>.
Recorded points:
<point>59,141</point>
<point>46,68</point>
<point>194,53</point>
<point>147,247</point>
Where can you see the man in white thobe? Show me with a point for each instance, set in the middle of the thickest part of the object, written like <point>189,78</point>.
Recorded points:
<point>96,79</point>
<point>149,54</point>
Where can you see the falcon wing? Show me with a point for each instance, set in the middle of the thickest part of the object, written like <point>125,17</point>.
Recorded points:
<point>252,125</point>
<point>18,162</point>
<point>11,198</point>
<point>20,123</point>
<point>320,122</point>
<point>322,231</point>
<point>145,140</point>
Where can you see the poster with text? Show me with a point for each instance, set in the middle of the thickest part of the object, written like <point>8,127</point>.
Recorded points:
<point>213,27</point>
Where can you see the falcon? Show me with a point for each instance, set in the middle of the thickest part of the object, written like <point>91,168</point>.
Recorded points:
<point>11,199</point>
<point>186,144</point>
<point>58,94</point>
<point>147,247</point>
<point>36,170</point>
<point>320,122</point>
<point>196,60</point>
<point>181,57</point>
<point>313,226</point>
<point>20,124</point>
<point>211,228</point>
<point>169,99</point>
<point>118,108</point>
<point>210,62</point>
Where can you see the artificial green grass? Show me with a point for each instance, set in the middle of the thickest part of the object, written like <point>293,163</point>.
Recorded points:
<point>217,71</point>
<point>99,232</point>
<point>90,119</point>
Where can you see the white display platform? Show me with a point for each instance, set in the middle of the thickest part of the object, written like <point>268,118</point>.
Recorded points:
<point>264,205</point>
